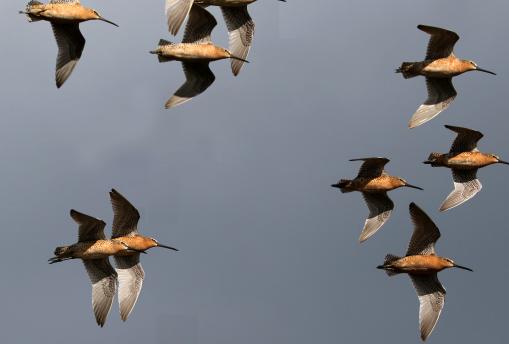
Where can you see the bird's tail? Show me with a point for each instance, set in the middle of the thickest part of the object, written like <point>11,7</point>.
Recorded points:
<point>344,185</point>
<point>389,259</point>
<point>31,10</point>
<point>408,70</point>
<point>62,251</point>
<point>162,43</point>
<point>433,159</point>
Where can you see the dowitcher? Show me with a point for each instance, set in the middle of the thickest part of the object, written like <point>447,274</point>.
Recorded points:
<point>195,52</point>
<point>240,25</point>
<point>464,159</point>
<point>374,183</point>
<point>94,249</point>
<point>65,17</point>
<point>439,67</point>
<point>422,265</point>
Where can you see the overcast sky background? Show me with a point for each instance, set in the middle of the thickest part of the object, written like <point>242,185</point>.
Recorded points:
<point>239,178</point>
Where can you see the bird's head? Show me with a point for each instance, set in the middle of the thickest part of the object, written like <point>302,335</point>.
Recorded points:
<point>471,65</point>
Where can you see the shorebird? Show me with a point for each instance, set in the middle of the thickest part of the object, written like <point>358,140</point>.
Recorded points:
<point>373,182</point>
<point>239,23</point>
<point>94,249</point>
<point>464,159</point>
<point>422,265</point>
<point>439,67</point>
<point>65,17</point>
<point>195,52</point>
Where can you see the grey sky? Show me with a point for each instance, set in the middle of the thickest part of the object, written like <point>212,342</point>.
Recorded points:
<point>239,177</point>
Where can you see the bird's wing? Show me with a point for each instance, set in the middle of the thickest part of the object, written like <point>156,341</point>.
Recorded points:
<point>380,209</point>
<point>176,12</point>
<point>90,228</point>
<point>104,284</point>
<point>425,233</point>
<point>130,280</point>
<point>466,141</point>
<point>125,216</point>
<point>441,93</point>
<point>70,43</point>
<point>431,296</point>
<point>466,185</point>
<point>441,42</point>
<point>241,30</point>
<point>199,26</point>
<point>372,167</point>
<point>198,78</point>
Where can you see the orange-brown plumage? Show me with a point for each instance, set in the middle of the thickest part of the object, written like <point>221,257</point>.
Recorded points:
<point>422,265</point>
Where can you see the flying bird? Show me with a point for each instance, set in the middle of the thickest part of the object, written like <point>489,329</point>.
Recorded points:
<point>439,67</point>
<point>240,25</point>
<point>464,159</point>
<point>422,265</point>
<point>195,52</point>
<point>94,249</point>
<point>374,183</point>
<point>65,17</point>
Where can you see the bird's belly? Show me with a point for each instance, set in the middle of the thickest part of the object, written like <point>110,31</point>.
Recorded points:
<point>60,13</point>
<point>93,250</point>
<point>195,52</point>
<point>419,265</point>
<point>379,184</point>
<point>441,68</point>
<point>466,161</point>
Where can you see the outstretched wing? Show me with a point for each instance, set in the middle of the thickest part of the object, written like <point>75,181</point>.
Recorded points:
<point>466,186</point>
<point>198,78</point>
<point>425,233</point>
<point>130,280</point>
<point>70,43</point>
<point>125,216</point>
<point>441,93</point>
<point>466,141</point>
<point>199,26</point>
<point>104,284</point>
<point>176,12</point>
<point>380,209</point>
<point>441,43</point>
<point>241,31</point>
<point>90,228</point>
<point>372,167</point>
<point>431,296</point>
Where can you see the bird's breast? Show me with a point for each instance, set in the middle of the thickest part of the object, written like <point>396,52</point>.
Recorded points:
<point>442,68</point>
<point>420,264</point>
<point>379,184</point>
<point>469,160</point>
<point>193,52</point>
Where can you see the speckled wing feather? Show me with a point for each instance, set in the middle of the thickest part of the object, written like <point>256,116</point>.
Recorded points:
<point>372,167</point>
<point>198,78</point>
<point>466,186</point>
<point>425,233</point>
<point>90,228</point>
<point>380,209</point>
<point>125,216</point>
<point>441,43</point>
<point>241,30</point>
<point>130,280</point>
<point>176,12</point>
<point>466,141</point>
<point>70,43</point>
<point>199,26</point>
<point>104,284</point>
<point>441,93</point>
<point>431,296</point>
